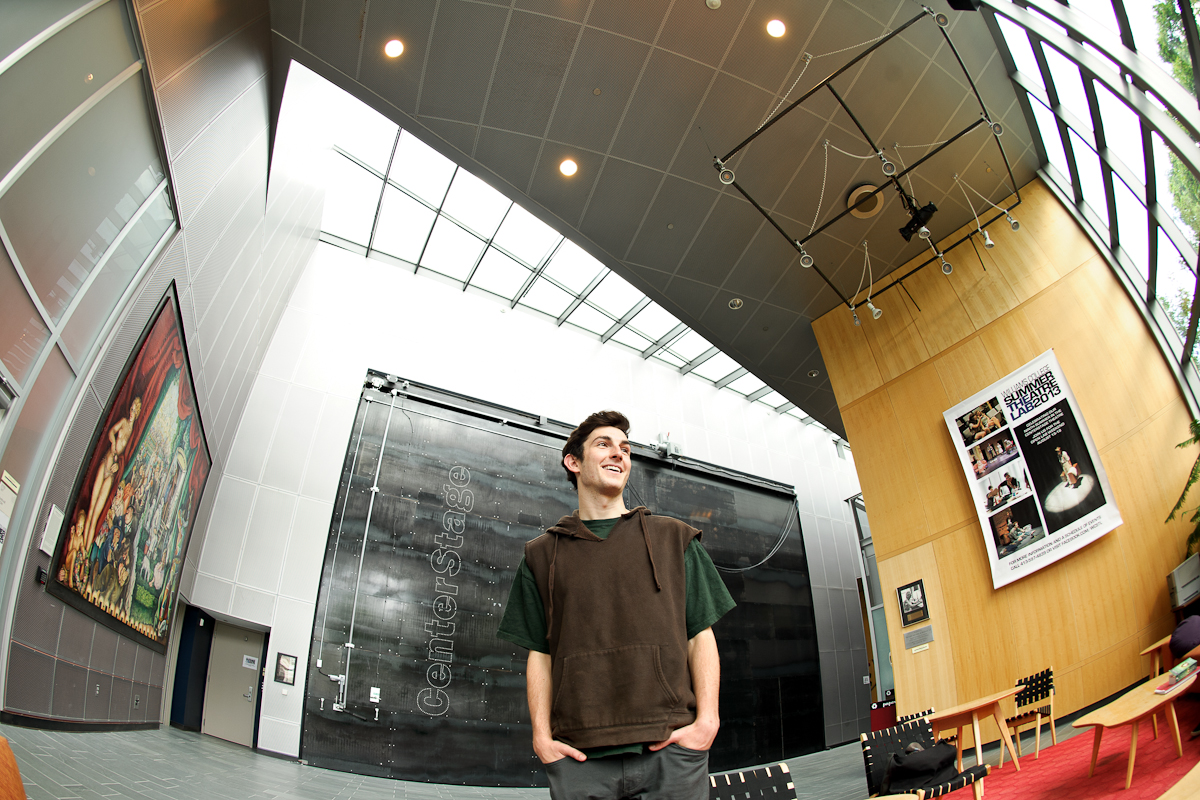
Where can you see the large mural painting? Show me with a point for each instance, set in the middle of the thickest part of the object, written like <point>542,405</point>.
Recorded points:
<point>121,548</point>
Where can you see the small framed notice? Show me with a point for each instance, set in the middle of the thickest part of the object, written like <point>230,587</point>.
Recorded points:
<point>913,608</point>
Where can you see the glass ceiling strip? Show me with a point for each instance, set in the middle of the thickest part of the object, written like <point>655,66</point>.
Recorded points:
<point>623,321</point>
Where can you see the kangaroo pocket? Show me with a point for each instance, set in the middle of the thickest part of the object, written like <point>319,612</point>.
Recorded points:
<point>614,687</point>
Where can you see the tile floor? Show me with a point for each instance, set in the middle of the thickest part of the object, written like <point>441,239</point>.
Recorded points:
<point>170,764</point>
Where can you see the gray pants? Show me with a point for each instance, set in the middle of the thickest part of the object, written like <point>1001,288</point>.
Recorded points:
<point>673,773</point>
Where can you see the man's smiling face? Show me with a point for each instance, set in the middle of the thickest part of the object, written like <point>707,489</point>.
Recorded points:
<point>606,462</point>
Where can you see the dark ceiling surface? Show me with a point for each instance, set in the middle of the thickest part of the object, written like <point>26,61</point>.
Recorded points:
<point>643,94</point>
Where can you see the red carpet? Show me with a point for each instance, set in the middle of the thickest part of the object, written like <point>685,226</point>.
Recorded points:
<point>1061,771</point>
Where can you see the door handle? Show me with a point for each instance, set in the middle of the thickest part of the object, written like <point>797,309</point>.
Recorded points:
<point>249,695</point>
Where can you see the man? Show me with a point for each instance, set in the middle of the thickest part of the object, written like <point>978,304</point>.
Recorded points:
<point>616,607</point>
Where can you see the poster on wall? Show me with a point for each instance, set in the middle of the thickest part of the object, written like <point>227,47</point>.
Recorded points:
<point>121,546</point>
<point>1035,477</point>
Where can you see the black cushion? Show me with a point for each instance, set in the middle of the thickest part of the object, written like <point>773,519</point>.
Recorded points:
<point>907,772</point>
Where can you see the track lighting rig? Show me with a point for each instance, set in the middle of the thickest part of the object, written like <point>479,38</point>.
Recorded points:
<point>920,216</point>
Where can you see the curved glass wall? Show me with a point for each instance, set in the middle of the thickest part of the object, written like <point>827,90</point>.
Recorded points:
<point>1108,89</point>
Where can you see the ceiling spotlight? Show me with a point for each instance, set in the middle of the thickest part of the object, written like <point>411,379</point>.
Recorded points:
<point>917,224</point>
<point>857,321</point>
<point>393,48</point>
<point>941,19</point>
<point>776,28</point>
<point>1016,225</point>
<point>889,168</point>
<point>876,313</point>
<point>946,268</point>
<point>806,260</point>
<point>812,373</point>
<point>988,244</point>
<point>725,176</point>
<point>736,303</point>
<point>568,167</point>
<point>996,127</point>
<point>713,4</point>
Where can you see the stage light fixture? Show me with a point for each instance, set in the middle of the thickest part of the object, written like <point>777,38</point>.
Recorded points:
<point>876,313</point>
<point>1016,224</point>
<point>988,244</point>
<point>806,260</point>
<point>889,169</point>
<point>857,321</point>
<point>941,19</point>
<point>946,268</point>
<point>917,224</point>
<point>725,176</point>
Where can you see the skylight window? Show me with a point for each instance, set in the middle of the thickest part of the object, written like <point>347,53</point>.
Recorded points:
<point>747,384</point>
<point>421,170</point>
<point>437,215</point>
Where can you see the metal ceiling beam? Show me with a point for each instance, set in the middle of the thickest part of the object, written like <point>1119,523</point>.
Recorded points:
<point>623,321</point>
<point>582,295</point>
<point>698,360</point>
<point>665,340</point>
<point>761,393</point>
<point>731,377</point>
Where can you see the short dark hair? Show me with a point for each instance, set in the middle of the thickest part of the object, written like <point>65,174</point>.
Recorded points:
<point>574,445</point>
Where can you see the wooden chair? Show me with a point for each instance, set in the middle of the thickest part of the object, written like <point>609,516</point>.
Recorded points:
<point>765,783</point>
<point>11,787</point>
<point>878,747</point>
<point>1037,700</point>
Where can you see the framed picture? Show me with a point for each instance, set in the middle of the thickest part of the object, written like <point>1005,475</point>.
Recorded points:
<point>285,669</point>
<point>913,607</point>
<point>121,546</point>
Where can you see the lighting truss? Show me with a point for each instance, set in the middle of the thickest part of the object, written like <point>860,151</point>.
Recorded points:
<point>728,177</point>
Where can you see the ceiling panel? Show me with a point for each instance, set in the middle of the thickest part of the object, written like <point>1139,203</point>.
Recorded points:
<point>619,202</point>
<point>565,197</point>
<point>466,37</point>
<point>512,155</point>
<point>698,32</point>
<point>682,205</point>
<point>763,264</point>
<point>602,61</point>
<point>563,9</point>
<point>642,22</point>
<point>722,240</point>
<point>529,72</point>
<point>661,110</point>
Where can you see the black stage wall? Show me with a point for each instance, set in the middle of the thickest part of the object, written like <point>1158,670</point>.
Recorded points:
<point>438,495</point>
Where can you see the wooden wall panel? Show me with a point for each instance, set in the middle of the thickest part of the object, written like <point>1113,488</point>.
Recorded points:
<point>984,293</point>
<point>1089,614</point>
<point>919,398</point>
<point>964,369</point>
<point>841,341</point>
<point>926,679</point>
<point>943,321</point>
<point>889,473</point>
<point>895,341</point>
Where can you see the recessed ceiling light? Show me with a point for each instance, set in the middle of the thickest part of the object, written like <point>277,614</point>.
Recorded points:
<point>812,373</point>
<point>713,4</point>
<point>596,91</point>
<point>736,303</point>
<point>776,28</point>
<point>393,48</point>
<point>568,167</point>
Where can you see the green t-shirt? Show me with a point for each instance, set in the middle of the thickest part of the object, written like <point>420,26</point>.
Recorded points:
<point>524,620</point>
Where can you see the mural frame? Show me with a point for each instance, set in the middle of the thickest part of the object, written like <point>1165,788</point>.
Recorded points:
<point>150,461</point>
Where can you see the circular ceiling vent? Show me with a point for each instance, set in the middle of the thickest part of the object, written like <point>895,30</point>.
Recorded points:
<point>862,204</point>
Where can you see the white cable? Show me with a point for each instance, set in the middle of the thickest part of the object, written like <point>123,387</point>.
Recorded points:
<point>863,275</point>
<point>981,197</point>
<point>870,275</point>
<point>852,155</point>
<point>969,203</point>
<point>911,191</point>
<point>821,199</point>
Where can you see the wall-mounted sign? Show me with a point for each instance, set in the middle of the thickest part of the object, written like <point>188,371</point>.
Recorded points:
<point>1035,476</point>
<point>250,662</point>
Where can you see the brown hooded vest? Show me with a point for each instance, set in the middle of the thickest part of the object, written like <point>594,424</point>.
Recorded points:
<point>616,627</point>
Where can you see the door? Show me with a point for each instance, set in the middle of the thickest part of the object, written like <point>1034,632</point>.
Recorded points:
<point>231,693</point>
